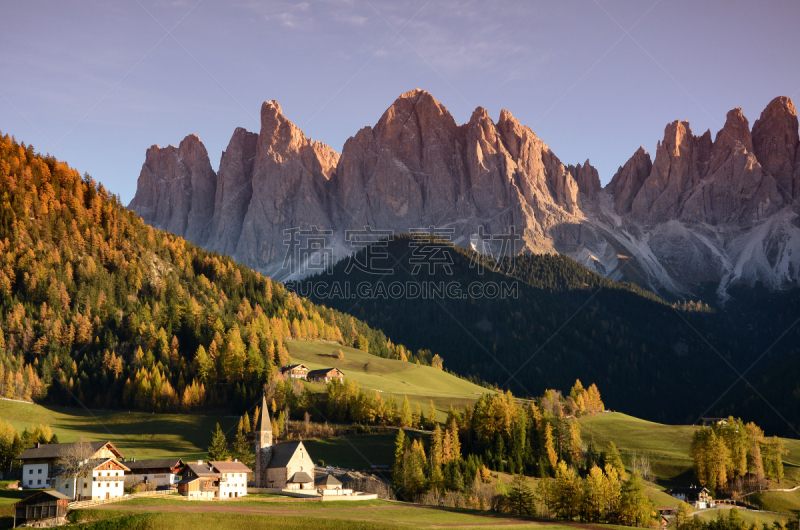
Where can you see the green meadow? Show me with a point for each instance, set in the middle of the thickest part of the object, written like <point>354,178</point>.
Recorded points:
<point>391,377</point>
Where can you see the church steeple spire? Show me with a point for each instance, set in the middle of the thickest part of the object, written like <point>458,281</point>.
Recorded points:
<point>263,445</point>
<point>266,423</point>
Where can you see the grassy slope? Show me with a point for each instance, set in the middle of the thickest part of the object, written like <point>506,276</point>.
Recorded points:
<point>777,501</point>
<point>748,516</point>
<point>419,383</point>
<point>667,446</point>
<point>354,452</point>
<point>138,434</point>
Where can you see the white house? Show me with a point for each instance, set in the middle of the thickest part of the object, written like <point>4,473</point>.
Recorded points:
<point>233,479</point>
<point>38,461</point>
<point>214,480</point>
<point>103,478</point>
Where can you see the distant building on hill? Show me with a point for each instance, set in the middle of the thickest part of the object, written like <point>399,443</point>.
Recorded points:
<point>325,375</point>
<point>39,461</point>
<point>295,371</point>
<point>697,496</point>
<point>214,480</point>
<point>158,472</point>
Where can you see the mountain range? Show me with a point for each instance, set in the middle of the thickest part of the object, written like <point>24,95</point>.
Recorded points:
<point>704,213</point>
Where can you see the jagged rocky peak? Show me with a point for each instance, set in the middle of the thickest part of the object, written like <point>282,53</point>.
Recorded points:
<point>289,187</point>
<point>587,178</point>
<point>701,210</point>
<point>775,142</point>
<point>283,139</point>
<point>681,161</point>
<point>176,188</point>
<point>234,191</point>
<point>628,180</point>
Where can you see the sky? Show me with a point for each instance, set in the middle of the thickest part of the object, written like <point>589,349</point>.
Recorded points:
<point>97,82</point>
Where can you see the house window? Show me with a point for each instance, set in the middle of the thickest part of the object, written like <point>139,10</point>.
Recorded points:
<point>85,485</point>
<point>30,472</point>
<point>30,483</point>
<point>39,471</point>
<point>39,481</point>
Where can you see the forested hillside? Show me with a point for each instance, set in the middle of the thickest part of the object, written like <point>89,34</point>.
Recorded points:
<point>655,360</point>
<point>97,306</point>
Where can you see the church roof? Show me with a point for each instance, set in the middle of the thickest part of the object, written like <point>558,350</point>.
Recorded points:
<point>282,453</point>
<point>301,477</point>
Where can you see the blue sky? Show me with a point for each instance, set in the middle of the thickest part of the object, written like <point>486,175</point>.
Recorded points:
<point>97,82</point>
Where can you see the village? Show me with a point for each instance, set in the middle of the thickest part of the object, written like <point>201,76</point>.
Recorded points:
<point>80,474</point>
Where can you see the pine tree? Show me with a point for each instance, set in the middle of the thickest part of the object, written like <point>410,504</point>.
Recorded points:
<point>613,457</point>
<point>416,417</point>
<point>406,419</point>
<point>431,415</point>
<point>241,447</point>
<point>636,508</point>
<point>455,443</point>
<point>246,427</point>
<point>218,450</point>
<point>549,448</point>
<point>575,451</point>
<point>519,498</point>
<point>398,469</point>
<point>415,469</point>
<point>594,500</point>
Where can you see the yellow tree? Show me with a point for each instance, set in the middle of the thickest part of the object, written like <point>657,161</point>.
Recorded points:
<point>549,447</point>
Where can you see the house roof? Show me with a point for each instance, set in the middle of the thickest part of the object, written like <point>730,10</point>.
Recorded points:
<point>324,371</point>
<point>158,463</point>
<point>45,451</point>
<point>94,463</point>
<point>301,477</point>
<point>44,493</point>
<point>292,367</point>
<point>329,480</point>
<point>231,467</point>
<point>283,453</point>
<point>201,470</point>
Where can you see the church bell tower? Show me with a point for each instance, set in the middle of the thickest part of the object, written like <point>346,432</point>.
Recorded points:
<point>263,445</point>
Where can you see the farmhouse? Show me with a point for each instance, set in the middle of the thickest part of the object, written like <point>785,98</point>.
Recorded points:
<point>325,375</point>
<point>41,508</point>
<point>295,371</point>
<point>101,478</point>
<point>697,496</point>
<point>214,480</point>
<point>158,472</point>
<point>38,461</point>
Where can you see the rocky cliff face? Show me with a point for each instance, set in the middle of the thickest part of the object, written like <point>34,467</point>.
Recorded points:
<point>703,211</point>
<point>176,189</point>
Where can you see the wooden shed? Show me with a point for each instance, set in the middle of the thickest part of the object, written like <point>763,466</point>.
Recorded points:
<point>47,504</point>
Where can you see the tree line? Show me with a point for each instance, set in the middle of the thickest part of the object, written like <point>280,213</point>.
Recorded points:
<point>731,456</point>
